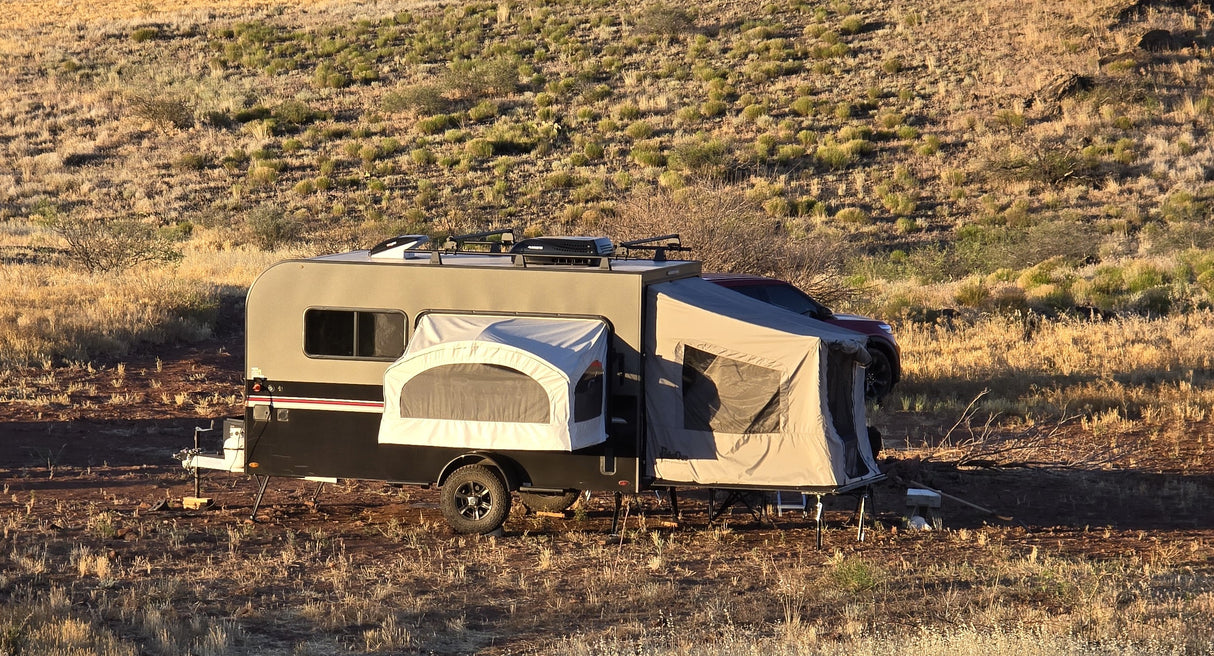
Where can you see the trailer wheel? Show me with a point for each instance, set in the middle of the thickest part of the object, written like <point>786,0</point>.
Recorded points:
<point>549,501</point>
<point>475,500</point>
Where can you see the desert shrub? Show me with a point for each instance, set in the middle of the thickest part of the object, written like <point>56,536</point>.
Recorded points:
<point>664,20</point>
<point>973,292</point>
<point>470,79</point>
<point>144,34</point>
<point>481,148</point>
<point>1050,160</point>
<point>648,153</point>
<point>164,111</point>
<point>701,155</point>
<point>294,113</point>
<point>424,99</point>
<point>192,162</point>
<point>435,124</point>
<point>483,110</point>
<point>730,232</point>
<point>853,216</point>
<point>271,227</point>
<point>639,130</point>
<point>834,156</point>
<point>99,243</point>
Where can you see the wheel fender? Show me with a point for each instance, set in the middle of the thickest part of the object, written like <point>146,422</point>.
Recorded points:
<point>509,470</point>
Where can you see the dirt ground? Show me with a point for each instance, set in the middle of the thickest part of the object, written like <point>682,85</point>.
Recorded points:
<point>62,463</point>
<point>123,449</point>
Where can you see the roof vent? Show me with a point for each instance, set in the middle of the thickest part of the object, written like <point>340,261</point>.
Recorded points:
<point>402,247</point>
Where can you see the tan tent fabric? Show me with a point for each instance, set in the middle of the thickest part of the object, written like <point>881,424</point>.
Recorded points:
<point>737,393</point>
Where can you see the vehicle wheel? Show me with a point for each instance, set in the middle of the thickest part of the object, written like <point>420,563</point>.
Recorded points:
<point>878,376</point>
<point>875,442</point>
<point>474,499</point>
<point>549,501</point>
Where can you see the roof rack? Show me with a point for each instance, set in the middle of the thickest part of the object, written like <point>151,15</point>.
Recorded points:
<point>672,243</point>
<point>456,243</point>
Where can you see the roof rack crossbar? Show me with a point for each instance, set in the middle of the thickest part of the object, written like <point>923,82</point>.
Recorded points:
<point>672,243</point>
<point>456,243</point>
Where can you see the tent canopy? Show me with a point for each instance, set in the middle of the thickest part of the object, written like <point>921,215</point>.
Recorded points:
<point>491,382</point>
<point>740,392</point>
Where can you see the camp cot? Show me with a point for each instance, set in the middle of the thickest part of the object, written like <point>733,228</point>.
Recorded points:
<point>553,366</point>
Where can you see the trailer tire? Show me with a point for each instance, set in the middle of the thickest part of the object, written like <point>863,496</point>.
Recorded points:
<point>549,501</point>
<point>474,499</point>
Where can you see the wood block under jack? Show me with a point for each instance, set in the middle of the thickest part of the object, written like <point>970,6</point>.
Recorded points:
<point>195,503</point>
<point>557,515</point>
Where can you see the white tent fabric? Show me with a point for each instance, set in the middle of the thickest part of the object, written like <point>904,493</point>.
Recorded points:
<point>486,382</point>
<point>738,392</point>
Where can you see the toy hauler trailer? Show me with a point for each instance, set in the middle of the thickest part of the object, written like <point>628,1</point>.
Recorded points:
<point>552,369</point>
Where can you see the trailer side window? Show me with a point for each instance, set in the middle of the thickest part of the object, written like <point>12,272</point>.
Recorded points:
<point>354,334</point>
<point>724,395</point>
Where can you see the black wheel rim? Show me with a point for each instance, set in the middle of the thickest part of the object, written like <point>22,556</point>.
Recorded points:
<point>876,379</point>
<point>473,500</point>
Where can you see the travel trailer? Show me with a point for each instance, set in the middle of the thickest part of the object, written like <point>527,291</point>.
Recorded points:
<point>543,367</point>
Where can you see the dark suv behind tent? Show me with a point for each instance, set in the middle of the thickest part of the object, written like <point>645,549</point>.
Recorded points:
<point>886,367</point>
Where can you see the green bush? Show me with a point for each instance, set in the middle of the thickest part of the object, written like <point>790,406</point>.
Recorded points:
<point>271,227</point>
<point>144,34</point>
<point>639,130</point>
<point>664,20</point>
<point>435,124</point>
<point>424,99</point>
<point>702,155</point>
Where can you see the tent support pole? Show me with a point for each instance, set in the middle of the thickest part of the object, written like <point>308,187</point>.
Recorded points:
<point>860,508</point>
<point>615,517</point>
<point>818,519</point>
<point>674,504</point>
<point>262,482</point>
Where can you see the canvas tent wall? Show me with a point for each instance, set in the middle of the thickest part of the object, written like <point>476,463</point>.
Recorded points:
<point>740,393</point>
<point>486,382</point>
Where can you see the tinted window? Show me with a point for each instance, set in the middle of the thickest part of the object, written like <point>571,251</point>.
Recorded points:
<point>588,393</point>
<point>791,298</point>
<point>354,334</point>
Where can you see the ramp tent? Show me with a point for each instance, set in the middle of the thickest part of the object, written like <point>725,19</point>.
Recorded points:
<point>484,382</point>
<point>739,392</point>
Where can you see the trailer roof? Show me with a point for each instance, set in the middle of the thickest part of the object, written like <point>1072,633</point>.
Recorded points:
<point>499,260</point>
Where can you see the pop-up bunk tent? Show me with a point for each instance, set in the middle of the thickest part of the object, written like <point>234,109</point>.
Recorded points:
<point>740,393</point>
<point>484,382</point>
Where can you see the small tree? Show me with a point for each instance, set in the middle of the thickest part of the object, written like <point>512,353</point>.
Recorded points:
<point>729,232</point>
<point>100,243</point>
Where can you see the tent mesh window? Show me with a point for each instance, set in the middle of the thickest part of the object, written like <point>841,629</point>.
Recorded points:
<point>840,398</point>
<point>588,393</point>
<point>354,334</point>
<point>475,392</point>
<point>724,395</point>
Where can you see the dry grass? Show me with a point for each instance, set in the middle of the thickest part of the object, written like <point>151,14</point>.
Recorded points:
<point>223,586</point>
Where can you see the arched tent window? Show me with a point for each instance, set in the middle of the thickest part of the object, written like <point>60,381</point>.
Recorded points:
<point>474,392</point>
